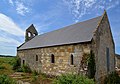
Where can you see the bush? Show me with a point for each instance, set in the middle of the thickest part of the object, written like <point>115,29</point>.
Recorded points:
<point>16,63</point>
<point>4,79</point>
<point>112,78</point>
<point>72,79</point>
<point>34,78</point>
<point>23,68</point>
<point>2,67</point>
<point>19,69</point>
<point>35,73</point>
<point>26,69</point>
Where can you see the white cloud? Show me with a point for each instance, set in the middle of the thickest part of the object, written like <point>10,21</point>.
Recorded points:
<point>21,8</point>
<point>9,41</point>
<point>9,31</point>
<point>9,26</point>
<point>11,2</point>
<point>81,7</point>
<point>112,5</point>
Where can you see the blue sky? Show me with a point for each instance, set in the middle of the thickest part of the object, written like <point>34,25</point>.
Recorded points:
<point>49,15</point>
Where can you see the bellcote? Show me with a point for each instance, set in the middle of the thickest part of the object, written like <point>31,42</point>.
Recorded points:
<point>31,32</point>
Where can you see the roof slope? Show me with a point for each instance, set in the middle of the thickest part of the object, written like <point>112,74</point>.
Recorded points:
<point>76,33</point>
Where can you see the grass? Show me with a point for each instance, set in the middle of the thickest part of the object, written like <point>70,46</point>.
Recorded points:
<point>6,65</point>
<point>6,68</point>
<point>4,79</point>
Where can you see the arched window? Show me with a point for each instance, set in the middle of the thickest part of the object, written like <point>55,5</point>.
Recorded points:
<point>29,34</point>
<point>52,59</point>
<point>23,62</point>
<point>72,60</point>
<point>36,57</point>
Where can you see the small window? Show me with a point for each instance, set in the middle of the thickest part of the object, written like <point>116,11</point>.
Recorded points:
<point>52,59</point>
<point>36,57</point>
<point>108,58</point>
<point>72,59</point>
<point>29,34</point>
<point>23,62</point>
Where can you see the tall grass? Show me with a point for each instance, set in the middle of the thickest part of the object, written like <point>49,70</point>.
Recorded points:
<point>6,64</point>
<point>4,79</point>
<point>72,79</point>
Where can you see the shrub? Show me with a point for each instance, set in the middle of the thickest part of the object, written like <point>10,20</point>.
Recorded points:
<point>26,69</point>
<point>112,78</point>
<point>35,73</point>
<point>4,79</point>
<point>34,78</point>
<point>72,79</point>
<point>44,75</point>
<point>23,68</point>
<point>2,67</point>
<point>16,63</point>
<point>19,69</point>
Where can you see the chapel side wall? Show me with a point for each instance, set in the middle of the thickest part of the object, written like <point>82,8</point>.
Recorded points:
<point>62,58</point>
<point>102,39</point>
<point>30,58</point>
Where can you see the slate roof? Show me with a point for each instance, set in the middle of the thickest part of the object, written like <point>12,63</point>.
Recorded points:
<point>76,33</point>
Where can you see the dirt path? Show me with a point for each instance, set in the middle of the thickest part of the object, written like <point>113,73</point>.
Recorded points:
<point>26,78</point>
<point>22,78</point>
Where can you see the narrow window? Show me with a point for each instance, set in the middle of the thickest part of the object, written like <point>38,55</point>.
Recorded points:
<point>36,57</point>
<point>71,59</point>
<point>52,59</point>
<point>29,34</point>
<point>108,58</point>
<point>23,62</point>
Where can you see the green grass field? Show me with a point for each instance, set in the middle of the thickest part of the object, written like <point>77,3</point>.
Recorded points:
<point>6,65</point>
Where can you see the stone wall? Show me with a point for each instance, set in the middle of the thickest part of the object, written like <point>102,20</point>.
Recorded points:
<point>117,59</point>
<point>62,55</point>
<point>102,40</point>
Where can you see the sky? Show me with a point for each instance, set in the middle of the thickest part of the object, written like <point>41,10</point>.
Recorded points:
<point>48,15</point>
